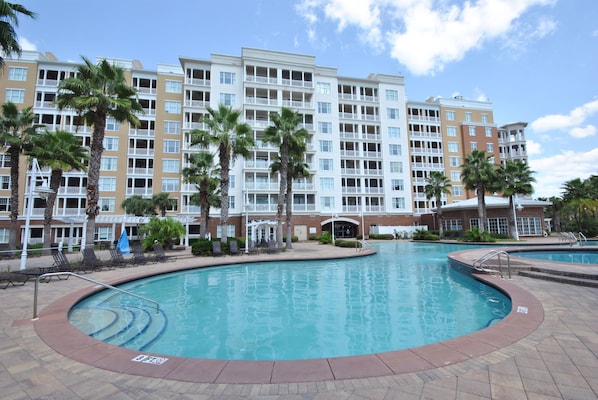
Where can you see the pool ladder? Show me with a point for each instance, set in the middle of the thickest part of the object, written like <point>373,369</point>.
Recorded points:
<point>51,274</point>
<point>480,265</point>
<point>364,245</point>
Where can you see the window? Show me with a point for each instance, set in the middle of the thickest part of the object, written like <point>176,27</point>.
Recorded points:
<point>107,204</point>
<point>170,165</point>
<point>17,74</point>
<point>172,107</point>
<point>108,163</point>
<point>326,164</point>
<point>231,202</point>
<point>327,203</point>
<point>453,147</point>
<point>170,185</point>
<point>4,204</point>
<point>473,146</point>
<point>488,132</point>
<point>5,182</point>
<point>456,176</point>
<point>452,224</point>
<point>173,205</point>
<point>472,131</point>
<point>392,113</point>
<point>397,184</point>
<point>172,127</point>
<point>228,99</point>
<point>325,146</point>
<point>398,203</point>
<point>112,124</point>
<point>107,184</point>
<point>324,108</point>
<point>490,147</point>
<point>230,230</point>
<point>467,117</point>
<point>16,96</point>
<point>392,95</point>
<point>394,149</point>
<point>450,115</point>
<point>484,118</point>
<point>174,86</point>
<point>172,146</point>
<point>231,181</point>
<point>111,143</point>
<point>227,78</point>
<point>457,191</point>
<point>454,161</point>
<point>323,87</point>
<point>326,183</point>
<point>394,132</point>
<point>396,167</point>
<point>451,131</point>
<point>325,127</point>
<point>103,233</point>
<point>4,235</point>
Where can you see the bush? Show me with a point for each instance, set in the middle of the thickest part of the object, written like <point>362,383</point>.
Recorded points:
<point>325,238</point>
<point>201,247</point>
<point>347,243</point>
<point>164,231</point>
<point>381,236</point>
<point>474,235</point>
<point>424,234</point>
<point>294,239</point>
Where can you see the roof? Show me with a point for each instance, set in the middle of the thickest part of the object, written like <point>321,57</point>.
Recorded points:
<point>494,202</point>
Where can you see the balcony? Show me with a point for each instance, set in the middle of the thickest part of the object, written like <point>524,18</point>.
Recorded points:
<point>140,171</point>
<point>140,191</point>
<point>297,83</point>
<point>297,104</point>
<point>262,186</point>
<point>142,132</point>
<point>257,164</point>
<point>261,101</point>
<point>197,82</point>
<point>71,191</point>
<point>196,103</point>
<point>141,152</point>
<point>304,207</point>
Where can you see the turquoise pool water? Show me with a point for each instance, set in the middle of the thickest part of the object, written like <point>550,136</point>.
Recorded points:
<point>577,257</point>
<point>405,296</point>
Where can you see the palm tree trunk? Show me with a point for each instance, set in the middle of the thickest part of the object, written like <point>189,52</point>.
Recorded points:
<point>205,208</point>
<point>439,213</point>
<point>481,209</point>
<point>289,211</point>
<point>512,222</point>
<point>93,177</point>
<point>55,178</point>
<point>224,182</point>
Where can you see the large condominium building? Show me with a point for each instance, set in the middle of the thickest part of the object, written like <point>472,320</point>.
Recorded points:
<point>369,150</point>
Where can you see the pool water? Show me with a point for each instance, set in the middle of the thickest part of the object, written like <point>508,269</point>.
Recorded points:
<point>405,296</point>
<point>577,257</point>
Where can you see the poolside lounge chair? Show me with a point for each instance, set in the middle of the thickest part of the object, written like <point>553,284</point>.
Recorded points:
<point>160,255</point>
<point>91,262</point>
<point>61,263</point>
<point>233,248</point>
<point>251,249</point>
<point>217,248</point>
<point>273,247</point>
<point>12,278</point>
<point>117,258</point>
<point>139,256</point>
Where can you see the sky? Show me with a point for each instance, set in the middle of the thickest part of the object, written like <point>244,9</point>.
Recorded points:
<point>536,61</point>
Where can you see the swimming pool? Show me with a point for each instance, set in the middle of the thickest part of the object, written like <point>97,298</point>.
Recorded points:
<point>565,255</point>
<point>405,296</point>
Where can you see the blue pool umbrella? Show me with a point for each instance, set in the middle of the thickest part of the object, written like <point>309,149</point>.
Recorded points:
<point>123,243</point>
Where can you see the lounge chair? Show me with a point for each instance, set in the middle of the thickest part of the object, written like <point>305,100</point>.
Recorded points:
<point>216,248</point>
<point>61,263</point>
<point>273,247</point>
<point>91,262</point>
<point>233,248</point>
<point>251,247</point>
<point>139,256</point>
<point>12,278</point>
<point>160,255</point>
<point>117,258</point>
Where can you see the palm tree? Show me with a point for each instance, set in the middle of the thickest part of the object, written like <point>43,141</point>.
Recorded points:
<point>437,185</point>
<point>232,138</point>
<point>286,134</point>
<point>161,201</point>
<point>9,19</point>
<point>203,174</point>
<point>138,206</point>
<point>513,178</point>
<point>96,93</point>
<point>297,168</point>
<point>16,131</point>
<point>61,151</point>
<point>477,173</point>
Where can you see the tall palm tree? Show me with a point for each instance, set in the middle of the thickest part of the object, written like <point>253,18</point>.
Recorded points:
<point>16,131</point>
<point>139,206</point>
<point>9,19</point>
<point>232,138</point>
<point>286,134</point>
<point>97,92</point>
<point>161,201</point>
<point>203,174</point>
<point>513,178</point>
<point>62,152</point>
<point>437,185</point>
<point>477,173</point>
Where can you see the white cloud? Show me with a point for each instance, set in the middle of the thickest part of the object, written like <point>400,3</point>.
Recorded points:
<point>533,148</point>
<point>26,44</point>
<point>425,35</point>
<point>571,122</point>
<point>552,172</point>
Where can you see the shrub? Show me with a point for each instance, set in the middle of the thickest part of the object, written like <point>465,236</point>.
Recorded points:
<point>165,231</point>
<point>201,247</point>
<point>381,236</point>
<point>347,243</point>
<point>325,238</point>
<point>474,235</point>
<point>424,234</point>
<point>293,239</point>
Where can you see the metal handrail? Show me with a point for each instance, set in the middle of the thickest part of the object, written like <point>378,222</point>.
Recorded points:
<point>491,254</point>
<point>364,245</point>
<point>51,274</point>
<point>582,239</point>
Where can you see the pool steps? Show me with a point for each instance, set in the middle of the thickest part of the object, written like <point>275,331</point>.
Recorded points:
<point>573,278</point>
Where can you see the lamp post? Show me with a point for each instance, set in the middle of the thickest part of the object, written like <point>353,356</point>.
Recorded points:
<point>246,224</point>
<point>362,225</point>
<point>515,209</point>
<point>333,217</point>
<point>43,192</point>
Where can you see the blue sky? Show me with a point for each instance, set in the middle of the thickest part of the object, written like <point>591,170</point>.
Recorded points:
<point>535,60</point>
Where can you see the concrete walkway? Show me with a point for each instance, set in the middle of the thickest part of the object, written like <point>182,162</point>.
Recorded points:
<point>559,360</point>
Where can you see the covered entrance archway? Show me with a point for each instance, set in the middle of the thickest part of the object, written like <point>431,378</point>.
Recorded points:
<point>343,227</point>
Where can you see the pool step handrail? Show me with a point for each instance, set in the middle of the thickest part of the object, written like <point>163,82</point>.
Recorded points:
<point>582,239</point>
<point>51,274</point>
<point>478,263</point>
<point>364,245</point>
